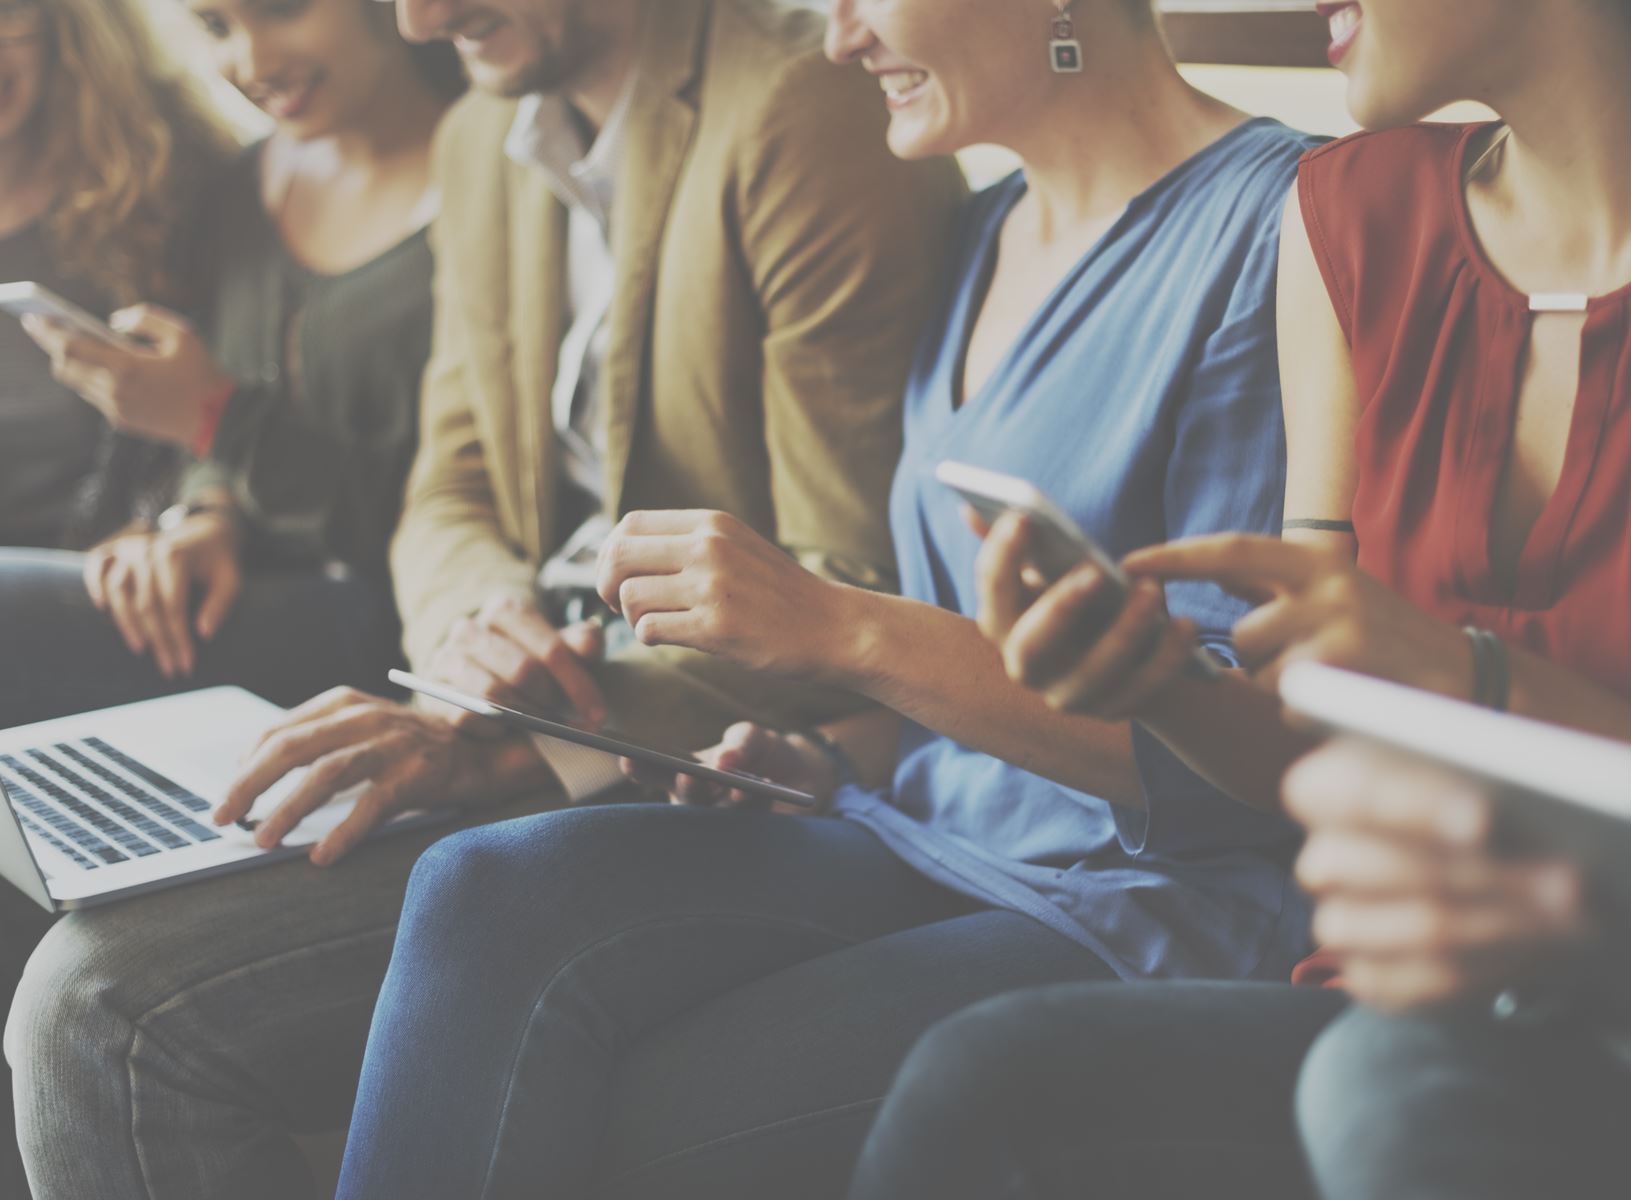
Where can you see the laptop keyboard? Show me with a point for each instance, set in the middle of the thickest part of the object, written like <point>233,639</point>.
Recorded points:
<point>96,805</point>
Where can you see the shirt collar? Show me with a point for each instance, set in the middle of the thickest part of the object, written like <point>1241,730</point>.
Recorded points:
<point>546,134</point>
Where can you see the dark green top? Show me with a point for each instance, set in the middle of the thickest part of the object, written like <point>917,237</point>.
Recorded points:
<point>48,435</point>
<point>316,442</point>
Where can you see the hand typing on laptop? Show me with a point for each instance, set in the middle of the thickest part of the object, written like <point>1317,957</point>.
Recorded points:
<point>406,759</point>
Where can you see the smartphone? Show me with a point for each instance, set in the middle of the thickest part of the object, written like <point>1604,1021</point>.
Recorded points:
<point>30,299</point>
<point>1058,545</point>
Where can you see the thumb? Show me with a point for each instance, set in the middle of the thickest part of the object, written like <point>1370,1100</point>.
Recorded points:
<point>221,591</point>
<point>742,747</point>
<point>159,327</point>
<point>586,639</point>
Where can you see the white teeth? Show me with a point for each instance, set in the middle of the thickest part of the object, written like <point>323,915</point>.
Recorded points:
<point>1344,21</point>
<point>898,83</point>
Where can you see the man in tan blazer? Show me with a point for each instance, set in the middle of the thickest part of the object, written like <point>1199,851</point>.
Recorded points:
<point>769,265</point>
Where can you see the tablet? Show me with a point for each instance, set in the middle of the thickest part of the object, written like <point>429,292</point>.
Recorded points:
<point>1557,792</point>
<point>30,299</point>
<point>680,764</point>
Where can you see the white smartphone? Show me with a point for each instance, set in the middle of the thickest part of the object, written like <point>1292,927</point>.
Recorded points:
<point>1058,544</point>
<point>25,299</point>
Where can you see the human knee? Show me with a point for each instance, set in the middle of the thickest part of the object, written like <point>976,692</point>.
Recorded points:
<point>1346,1090</point>
<point>66,1008</point>
<point>980,1054</point>
<point>483,872</point>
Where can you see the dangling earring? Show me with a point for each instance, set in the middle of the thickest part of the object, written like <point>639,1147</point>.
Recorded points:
<point>1064,51</point>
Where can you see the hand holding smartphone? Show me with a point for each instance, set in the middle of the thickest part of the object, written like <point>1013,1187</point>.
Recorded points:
<point>26,299</point>
<point>1058,545</point>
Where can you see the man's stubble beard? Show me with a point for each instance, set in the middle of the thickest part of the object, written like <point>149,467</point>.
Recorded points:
<point>559,66</point>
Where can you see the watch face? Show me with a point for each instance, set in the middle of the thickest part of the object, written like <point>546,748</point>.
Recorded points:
<point>172,517</point>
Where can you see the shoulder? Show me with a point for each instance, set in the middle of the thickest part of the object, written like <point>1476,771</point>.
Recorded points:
<point>1228,198</point>
<point>768,77</point>
<point>472,133</point>
<point>1376,197</point>
<point>1389,169</point>
<point>786,119</point>
<point>1408,145</point>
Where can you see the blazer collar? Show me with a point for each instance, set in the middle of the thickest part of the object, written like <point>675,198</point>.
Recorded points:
<point>662,121</point>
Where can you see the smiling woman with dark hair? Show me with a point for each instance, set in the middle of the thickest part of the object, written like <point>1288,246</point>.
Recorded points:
<point>292,377</point>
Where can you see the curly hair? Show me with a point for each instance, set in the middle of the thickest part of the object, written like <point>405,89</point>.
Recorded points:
<point>128,144</point>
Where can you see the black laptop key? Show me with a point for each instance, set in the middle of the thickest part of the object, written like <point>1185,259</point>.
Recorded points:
<point>144,800</point>
<point>23,797</point>
<point>168,787</point>
<point>56,843</point>
<point>140,821</point>
<point>99,821</point>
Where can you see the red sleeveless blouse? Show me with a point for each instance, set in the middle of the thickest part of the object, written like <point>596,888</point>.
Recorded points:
<point>1438,337</point>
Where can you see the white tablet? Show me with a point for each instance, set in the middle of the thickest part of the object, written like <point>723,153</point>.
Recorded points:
<point>679,764</point>
<point>1558,791</point>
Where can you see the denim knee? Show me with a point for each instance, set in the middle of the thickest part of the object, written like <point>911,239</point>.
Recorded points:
<point>1348,1090</point>
<point>461,883</point>
<point>969,1060</point>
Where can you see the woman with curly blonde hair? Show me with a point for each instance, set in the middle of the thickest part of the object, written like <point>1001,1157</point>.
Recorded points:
<point>99,155</point>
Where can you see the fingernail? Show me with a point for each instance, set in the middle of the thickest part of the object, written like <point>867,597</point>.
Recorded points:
<point>1460,819</point>
<point>1558,890</point>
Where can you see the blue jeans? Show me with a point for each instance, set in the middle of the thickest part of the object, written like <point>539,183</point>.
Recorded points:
<point>1458,1107</point>
<point>289,636</point>
<point>646,1001</point>
<point>1140,1091</point>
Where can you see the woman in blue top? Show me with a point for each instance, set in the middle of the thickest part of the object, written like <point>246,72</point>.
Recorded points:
<point>691,1001</point>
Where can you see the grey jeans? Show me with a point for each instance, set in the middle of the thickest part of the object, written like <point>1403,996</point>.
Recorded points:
<point>163,1047</point>
<point>169,1047</point>
<point>1458,1107</point>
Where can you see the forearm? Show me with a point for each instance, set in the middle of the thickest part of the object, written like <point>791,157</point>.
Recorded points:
<point>1547,692</point>
<point>1231,733</point>
<point>935,668</point>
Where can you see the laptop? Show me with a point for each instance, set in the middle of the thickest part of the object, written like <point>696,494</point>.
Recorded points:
<point>1557,792</point>
<point>117,803</point>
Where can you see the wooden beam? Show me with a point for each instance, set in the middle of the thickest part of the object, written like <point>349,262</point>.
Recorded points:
<point>1247,34</point>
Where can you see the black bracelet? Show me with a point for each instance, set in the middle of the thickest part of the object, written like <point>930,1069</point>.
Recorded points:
<point>1318,526</point>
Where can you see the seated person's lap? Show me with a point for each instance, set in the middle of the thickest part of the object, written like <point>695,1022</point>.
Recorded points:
<point>290,635</point>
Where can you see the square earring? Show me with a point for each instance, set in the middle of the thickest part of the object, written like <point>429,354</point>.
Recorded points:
<point>1064,51</point>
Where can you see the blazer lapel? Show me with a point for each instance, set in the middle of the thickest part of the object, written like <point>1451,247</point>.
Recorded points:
<point>537,325</point>
<point>661,122</point>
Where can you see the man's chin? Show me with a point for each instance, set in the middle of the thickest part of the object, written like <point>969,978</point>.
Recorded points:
<point>512,83</point>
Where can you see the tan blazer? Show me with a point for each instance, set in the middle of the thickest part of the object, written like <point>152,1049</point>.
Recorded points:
<point>775,265</point>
